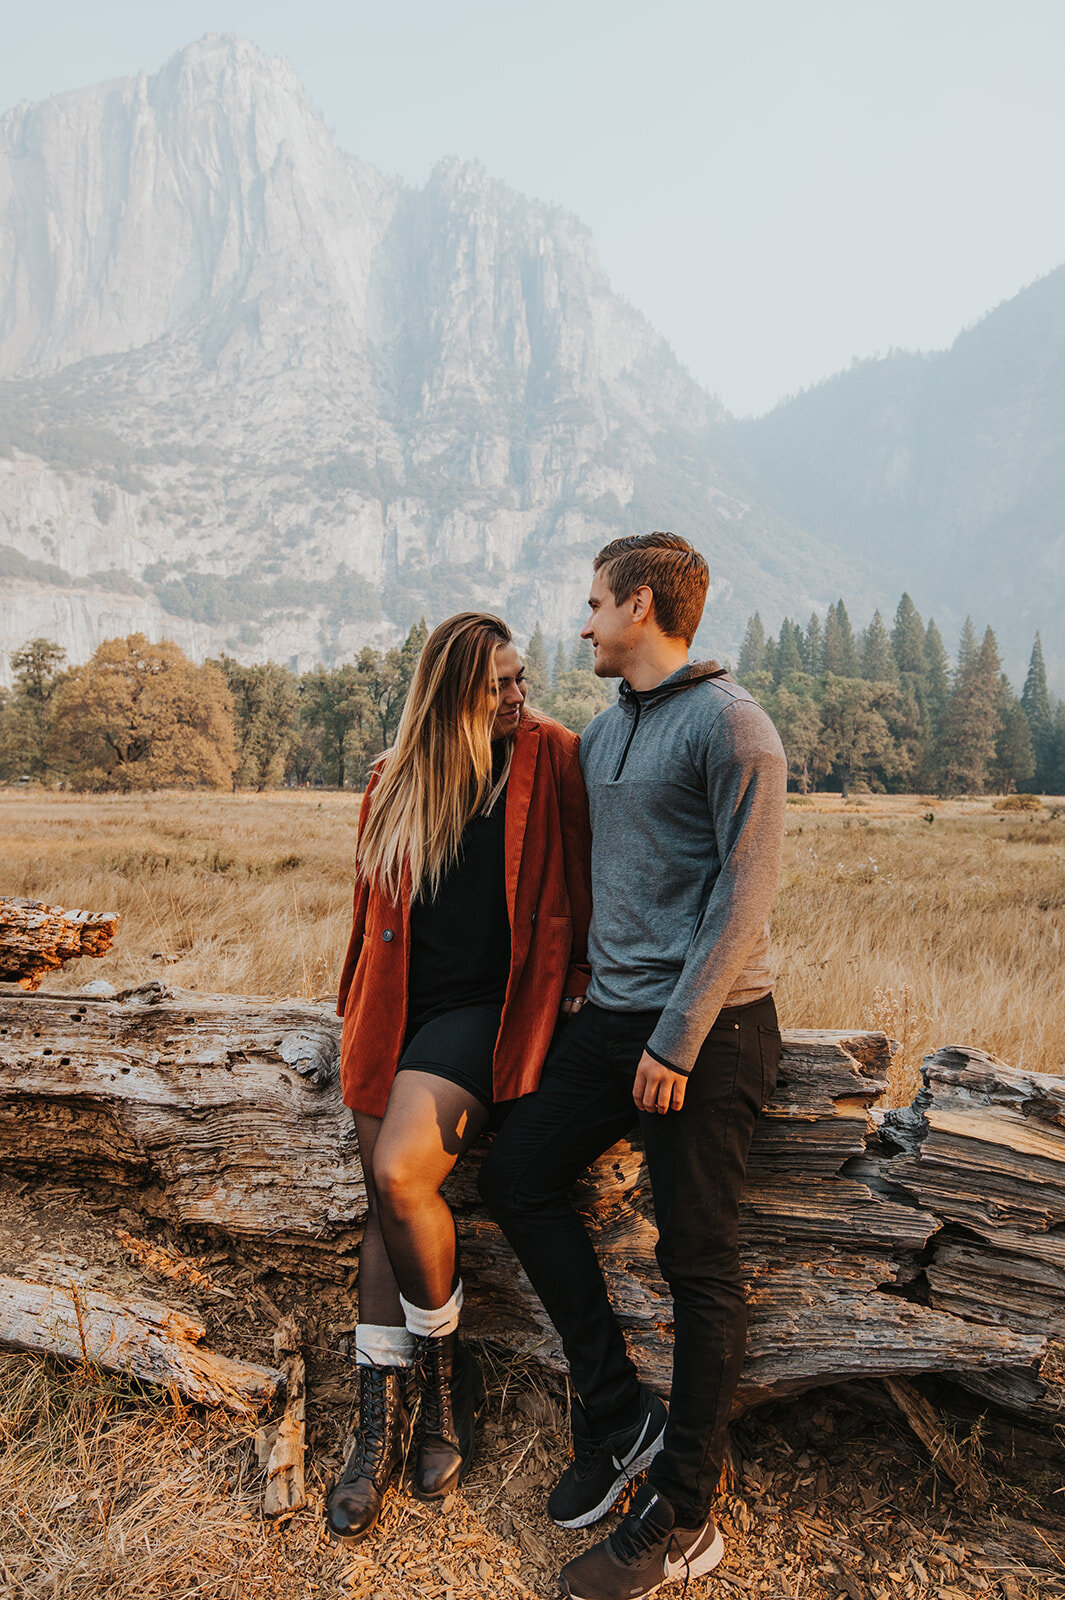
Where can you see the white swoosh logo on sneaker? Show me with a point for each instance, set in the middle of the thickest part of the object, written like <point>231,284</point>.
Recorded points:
<point>634,1452</point>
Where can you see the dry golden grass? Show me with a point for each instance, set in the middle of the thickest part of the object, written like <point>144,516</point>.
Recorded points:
<point>941,932</point>
<point>230,894</point>
<point>947,931</point>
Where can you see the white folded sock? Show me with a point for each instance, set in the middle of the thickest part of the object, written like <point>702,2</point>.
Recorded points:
<point>379,1346</point>
<point>434,1323</point>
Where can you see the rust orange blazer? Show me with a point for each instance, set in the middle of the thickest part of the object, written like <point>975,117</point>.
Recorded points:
<point>546,851</point>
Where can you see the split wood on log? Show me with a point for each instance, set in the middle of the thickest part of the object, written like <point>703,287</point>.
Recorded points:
<point>36,939</point>
<point>223,1115</point>
<point>285,1488</point>
<point>138,1338</point>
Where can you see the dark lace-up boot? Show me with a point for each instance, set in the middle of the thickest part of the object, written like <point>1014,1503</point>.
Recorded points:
<point>354,1505</point>
<point>451,1393</point>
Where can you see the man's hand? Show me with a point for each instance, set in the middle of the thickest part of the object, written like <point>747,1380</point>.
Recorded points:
<point>572,1006</point>
<point>658,1088</point>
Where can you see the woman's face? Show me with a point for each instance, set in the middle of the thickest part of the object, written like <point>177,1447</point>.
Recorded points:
<point>508,695</point>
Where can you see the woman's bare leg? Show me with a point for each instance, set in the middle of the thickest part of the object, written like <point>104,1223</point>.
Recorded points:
<point>428,1125</point>
<point>378,1290</point>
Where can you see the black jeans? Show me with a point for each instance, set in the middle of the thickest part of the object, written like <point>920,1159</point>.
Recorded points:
<point>696,1160</point>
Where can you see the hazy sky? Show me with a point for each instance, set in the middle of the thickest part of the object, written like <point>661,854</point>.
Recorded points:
<point>779,185</point>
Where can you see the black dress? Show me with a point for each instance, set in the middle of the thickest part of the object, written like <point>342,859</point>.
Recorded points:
<point>460,958</point>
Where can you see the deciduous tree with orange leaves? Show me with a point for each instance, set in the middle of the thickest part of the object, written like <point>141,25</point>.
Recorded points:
<point>143,716</point>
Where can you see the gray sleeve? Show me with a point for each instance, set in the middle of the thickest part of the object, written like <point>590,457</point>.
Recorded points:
<point>746,777</point>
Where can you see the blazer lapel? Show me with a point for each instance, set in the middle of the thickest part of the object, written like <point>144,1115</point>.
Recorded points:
<point>519,796</point>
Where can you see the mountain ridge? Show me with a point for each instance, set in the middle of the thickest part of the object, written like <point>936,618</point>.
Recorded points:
<point>262,398</point>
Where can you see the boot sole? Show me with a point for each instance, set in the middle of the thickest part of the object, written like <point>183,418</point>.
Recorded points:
<point>350,1538</point>
<point>633,1470</point>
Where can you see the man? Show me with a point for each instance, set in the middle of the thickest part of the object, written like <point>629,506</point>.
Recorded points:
<point>686,780</point>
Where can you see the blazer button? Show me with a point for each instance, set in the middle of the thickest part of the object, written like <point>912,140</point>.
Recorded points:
<point>388,936</point>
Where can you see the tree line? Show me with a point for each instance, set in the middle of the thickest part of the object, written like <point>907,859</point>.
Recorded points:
<point>140,715</point>
<point>886,709</point>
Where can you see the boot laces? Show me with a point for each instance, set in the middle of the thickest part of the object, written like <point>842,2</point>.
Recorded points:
<point>370,1441</point>
<point>427,1351</point>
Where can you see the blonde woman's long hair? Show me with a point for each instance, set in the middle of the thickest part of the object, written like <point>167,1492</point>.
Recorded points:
<point>438,773</point>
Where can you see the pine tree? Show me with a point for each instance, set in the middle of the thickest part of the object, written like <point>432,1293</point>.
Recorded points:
<point>561,664</point>
<point>813,655</point>
<point>971,721</point>
<point>1014,761</point>
<point>908,638</point>
<point>937,674</point>
<point>1056,772</point>
<point>769,657</point>
<point>878,657</point>
<point>789,650</point>
<point>536,673</point>
<point>583,656</point>
<point>832,649</point>
<point>1035,699</point>
<point>752,650</point>
<point>851,664</point>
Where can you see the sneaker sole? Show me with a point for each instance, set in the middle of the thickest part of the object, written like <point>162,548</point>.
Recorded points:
<point>698,1568</point>
<point>701,1565</point>
<point>626,1475</point>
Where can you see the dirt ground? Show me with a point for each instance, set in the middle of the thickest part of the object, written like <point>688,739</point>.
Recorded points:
<point>110,1492</point>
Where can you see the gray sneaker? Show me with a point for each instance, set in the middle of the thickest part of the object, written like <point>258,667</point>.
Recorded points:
<point>645,1551</point>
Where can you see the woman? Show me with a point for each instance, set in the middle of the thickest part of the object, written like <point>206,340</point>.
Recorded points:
<point>471,916</point>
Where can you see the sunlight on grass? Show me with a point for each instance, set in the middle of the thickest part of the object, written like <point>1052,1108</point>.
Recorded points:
<point>942,932</point>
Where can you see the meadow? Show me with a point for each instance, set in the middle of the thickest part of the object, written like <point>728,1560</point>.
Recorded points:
<point>941,922</point>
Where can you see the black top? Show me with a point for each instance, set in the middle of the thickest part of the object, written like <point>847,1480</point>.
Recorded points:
<point>460,940</point>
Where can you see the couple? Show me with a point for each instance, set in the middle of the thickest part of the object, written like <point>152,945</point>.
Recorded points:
<point>473,892</point>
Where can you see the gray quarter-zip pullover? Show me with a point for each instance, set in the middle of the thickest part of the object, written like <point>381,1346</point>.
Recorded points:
<point>686,786</point>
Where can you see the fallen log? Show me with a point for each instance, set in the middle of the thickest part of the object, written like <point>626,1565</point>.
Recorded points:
<point>36,939</point>
<point>138,1338</point>
<point>223,1116</point>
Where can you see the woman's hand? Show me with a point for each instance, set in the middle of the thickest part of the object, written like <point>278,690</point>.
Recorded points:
<point>571,1007</point>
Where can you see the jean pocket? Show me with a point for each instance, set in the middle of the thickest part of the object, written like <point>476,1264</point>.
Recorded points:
<point>769,1050</point>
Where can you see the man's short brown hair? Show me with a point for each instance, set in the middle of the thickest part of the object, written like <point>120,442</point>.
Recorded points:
<point>674,571</point>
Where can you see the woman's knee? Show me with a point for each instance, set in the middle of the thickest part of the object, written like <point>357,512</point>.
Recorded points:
<point>399,1182</point>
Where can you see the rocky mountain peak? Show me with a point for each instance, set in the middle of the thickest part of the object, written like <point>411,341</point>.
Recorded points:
<point>260,397</point>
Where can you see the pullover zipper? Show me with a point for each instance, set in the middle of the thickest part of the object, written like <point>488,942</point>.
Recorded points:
<point>678,688</point>
<point>628,741</point>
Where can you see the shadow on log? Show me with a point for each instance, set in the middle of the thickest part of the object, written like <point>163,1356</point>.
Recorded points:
<point>36,939</point>
<point>890,1244</point>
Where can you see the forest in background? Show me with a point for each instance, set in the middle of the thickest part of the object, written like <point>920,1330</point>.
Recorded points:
<point>883,709</point>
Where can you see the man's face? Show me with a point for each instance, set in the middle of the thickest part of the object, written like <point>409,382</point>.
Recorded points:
<point>610,628</point>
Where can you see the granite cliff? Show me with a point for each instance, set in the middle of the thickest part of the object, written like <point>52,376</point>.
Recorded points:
<point>256,396</point>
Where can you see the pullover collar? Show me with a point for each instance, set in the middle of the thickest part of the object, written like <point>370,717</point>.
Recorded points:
<point>685,677</point>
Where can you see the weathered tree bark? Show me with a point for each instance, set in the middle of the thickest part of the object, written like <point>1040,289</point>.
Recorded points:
<point>223,1114</point>
<point>135,1337</point>
<point>36,939</point>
